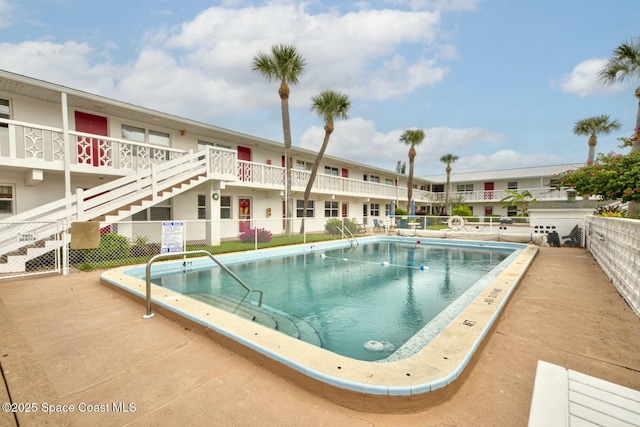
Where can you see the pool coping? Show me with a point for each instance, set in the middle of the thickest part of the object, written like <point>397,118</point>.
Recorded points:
<point>412,382</point>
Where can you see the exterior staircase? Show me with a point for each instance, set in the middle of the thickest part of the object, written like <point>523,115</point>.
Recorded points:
<point>38,231</point>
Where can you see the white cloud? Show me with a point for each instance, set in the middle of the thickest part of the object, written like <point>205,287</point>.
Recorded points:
<point>504,159</point>
<point>584,80</point>
<point>358,140</point>
<point>68,64</point>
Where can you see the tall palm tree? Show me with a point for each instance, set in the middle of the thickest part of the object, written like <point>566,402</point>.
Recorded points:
<point>448,159</point>
<point>593,126</point>
<point>411,137</point>
<point>285,65</point>
<point>624,64</point>
<point>329,105</point>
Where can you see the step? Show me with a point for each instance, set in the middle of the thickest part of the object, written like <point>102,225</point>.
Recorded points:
<point>266,316</point>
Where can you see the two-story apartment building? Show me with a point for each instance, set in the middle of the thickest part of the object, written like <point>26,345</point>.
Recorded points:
<point>483,191</point>
<point>69,154</point>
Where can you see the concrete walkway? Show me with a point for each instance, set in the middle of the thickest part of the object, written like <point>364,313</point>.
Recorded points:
<point>72,341</point>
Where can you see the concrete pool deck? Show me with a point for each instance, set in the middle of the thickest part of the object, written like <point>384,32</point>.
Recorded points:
<point>72,341</point>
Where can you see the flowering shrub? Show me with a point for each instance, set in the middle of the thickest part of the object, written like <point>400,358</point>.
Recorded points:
<point>614,176</point>
<point>249,236</point>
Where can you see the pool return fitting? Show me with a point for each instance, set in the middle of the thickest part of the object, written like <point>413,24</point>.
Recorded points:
<point>154,258</point>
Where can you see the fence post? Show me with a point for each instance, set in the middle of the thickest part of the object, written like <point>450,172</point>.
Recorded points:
<point>65,251</point>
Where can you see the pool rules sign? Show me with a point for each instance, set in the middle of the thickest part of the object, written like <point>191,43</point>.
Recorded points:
<point>172,237</point>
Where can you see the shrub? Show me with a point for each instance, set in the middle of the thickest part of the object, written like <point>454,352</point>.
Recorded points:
<point>461,210</point>
<point>112,247</point>
<point>332,225</point>
<point>261,234</point>
<point>611,211</point>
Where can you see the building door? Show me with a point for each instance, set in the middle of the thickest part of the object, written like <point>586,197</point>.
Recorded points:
<point>92,151</point>
<point>365,214</point>
<point>488,190</point>
<point>244,214</point>
<point>345,210</point>
<point>244,153</point>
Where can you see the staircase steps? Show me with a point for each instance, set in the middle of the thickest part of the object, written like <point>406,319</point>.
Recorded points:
<point>264,315</point>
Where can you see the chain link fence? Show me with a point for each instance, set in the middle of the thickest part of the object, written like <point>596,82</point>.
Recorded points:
<point>47,247</point>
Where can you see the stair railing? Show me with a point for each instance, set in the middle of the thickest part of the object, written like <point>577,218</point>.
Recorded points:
<point>149,314</point>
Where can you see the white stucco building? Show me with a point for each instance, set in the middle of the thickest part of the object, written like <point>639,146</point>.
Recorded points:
<point>65,153</point>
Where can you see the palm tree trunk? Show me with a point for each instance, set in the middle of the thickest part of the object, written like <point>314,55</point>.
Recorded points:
<point>593,141</point>
<point>286,128</point>
<point>312,176</point>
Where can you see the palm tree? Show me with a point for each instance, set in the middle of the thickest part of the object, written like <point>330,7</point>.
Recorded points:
<point>623,65</point>
<point>592,126</point>
<point>329,105</point>
<point>284,65</point>
<point>514,198</point>
<point>448,159</point>
<point>411,137</point>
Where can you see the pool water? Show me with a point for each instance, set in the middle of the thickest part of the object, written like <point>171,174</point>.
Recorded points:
<point>363,302</point>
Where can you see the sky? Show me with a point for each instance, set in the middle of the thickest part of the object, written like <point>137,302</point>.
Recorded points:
<point>498,83</point>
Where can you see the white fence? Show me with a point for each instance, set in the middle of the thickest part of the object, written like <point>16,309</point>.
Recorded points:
<point>615,245</point>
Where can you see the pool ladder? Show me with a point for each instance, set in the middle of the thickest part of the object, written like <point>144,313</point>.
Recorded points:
<point>352,241</point>
<point>176,254</point>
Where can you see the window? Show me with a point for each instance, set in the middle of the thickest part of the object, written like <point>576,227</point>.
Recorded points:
<point>374,209</point>
<point>512,185</point>
<point>374,178</point>
<point>204,144</point>
<point>555,183</point>
<point>512,210</point>
<point>202,206</point>
<point>303,166</point>
<point>387,210</point>
<point>5,111</point>
<point>464,187</point>
<point>331,171</point>
<point>388,181</point>
<point>225,207</point>
<point>331,209</point>
<point>6,199</point>
<point>159,212</point>
<point>132,133</point>
<point>423,188</point>
<point>299,204</point>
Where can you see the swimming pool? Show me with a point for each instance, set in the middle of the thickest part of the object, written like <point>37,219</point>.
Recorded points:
<point>425,361</point>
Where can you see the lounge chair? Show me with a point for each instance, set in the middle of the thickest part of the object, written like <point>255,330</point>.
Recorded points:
<point>360,227</point>
<point>574,237</point>
<point>377,226</point>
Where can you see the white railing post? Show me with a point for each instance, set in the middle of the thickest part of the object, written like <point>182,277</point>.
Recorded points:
<point>79,204</point>
<point>65,251</point>
<point>154,183</point>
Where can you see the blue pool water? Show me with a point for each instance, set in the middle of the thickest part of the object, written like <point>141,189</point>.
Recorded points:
<point>364,302</point>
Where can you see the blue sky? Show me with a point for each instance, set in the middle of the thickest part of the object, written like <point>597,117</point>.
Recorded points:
<point>498,83</point>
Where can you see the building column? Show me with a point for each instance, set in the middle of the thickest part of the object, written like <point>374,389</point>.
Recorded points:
<point>212,208</point>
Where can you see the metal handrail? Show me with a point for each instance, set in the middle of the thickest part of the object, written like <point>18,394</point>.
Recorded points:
<point>351,240</point>
<point>175,254</point>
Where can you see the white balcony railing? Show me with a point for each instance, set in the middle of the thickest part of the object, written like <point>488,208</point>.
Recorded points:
<point>37,146</point>
<point>492,196</point>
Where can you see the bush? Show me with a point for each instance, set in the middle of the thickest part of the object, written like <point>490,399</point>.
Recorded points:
<point>249,236</point>
<point>401,212</point>
<point>461,210</point>
<point>112,247</point>
<point>332,226</point>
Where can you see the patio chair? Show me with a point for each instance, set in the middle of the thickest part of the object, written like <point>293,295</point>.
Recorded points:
<point>574,237</point>
<point>377,226</point>
<point>360,227</point>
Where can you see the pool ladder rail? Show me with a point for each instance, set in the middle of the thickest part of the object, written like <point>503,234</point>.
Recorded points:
<point>154,258</point>
<point>352,240</point>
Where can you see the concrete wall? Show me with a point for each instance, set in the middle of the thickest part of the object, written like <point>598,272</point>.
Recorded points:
<point>615,244</point>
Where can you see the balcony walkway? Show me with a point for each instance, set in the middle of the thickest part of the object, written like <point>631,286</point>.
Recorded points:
<point>70,340</point>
